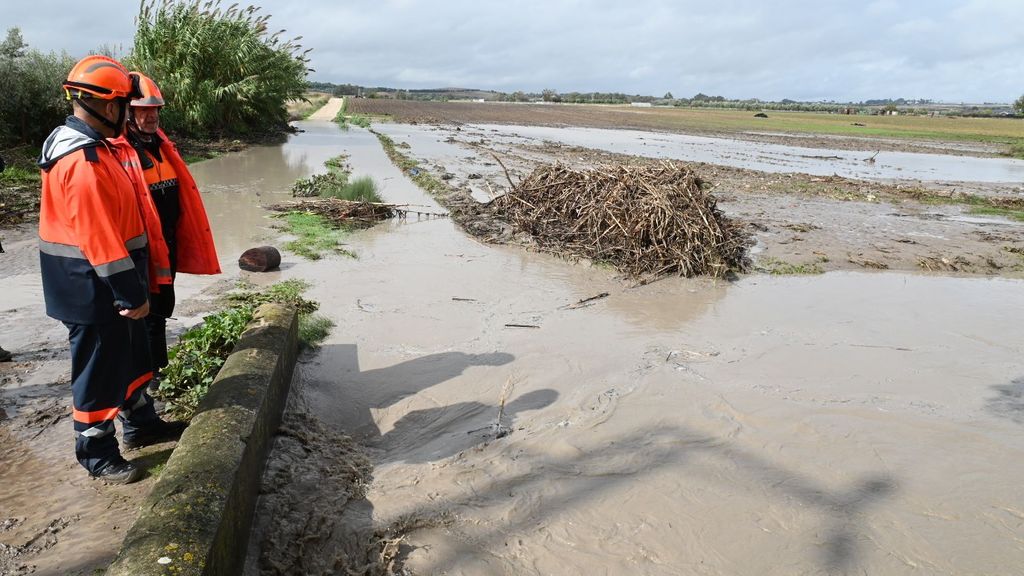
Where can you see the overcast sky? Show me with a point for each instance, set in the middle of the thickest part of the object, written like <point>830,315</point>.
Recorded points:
<point>945,50</point>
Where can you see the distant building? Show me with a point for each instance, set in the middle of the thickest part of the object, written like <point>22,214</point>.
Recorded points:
<point>640,104</point>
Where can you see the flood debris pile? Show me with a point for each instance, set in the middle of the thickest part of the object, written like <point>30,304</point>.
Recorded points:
<point>349,213</point>
<point>647,221</point>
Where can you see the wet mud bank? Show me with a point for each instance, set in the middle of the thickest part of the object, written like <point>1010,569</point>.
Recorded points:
<point>802,223</point>
<point>196,519</point>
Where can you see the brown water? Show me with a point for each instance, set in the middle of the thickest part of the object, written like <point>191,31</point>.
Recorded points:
<point>848,423</point>
<point>839,424</point>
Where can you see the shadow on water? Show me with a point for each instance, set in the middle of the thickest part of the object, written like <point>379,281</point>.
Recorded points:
<point>455,427</point>
<point>1009,403</point>
<point>620,465</point>
<point>351,393</point>
<point>440,432</point>
<point>842,510</point>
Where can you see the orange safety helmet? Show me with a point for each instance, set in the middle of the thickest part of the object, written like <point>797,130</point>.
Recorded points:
<point>150,92</point>
<point>98,77</point>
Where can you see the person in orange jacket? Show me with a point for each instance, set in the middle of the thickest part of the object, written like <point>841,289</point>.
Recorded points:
<point>172,204</point>
<point>93,254</point>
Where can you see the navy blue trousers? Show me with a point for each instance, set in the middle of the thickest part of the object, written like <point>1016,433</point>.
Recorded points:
<point>110,367</point>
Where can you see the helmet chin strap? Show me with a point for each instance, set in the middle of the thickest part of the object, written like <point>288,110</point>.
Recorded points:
<point>115,126</point>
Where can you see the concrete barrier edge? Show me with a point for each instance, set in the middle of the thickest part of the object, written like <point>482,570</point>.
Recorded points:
<point>197,518</point>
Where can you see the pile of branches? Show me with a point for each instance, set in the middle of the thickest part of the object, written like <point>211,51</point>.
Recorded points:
<point>344,212</point>
<point>647,221</point>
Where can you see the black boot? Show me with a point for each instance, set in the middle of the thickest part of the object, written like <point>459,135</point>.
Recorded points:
<point>119,471</point>
<point>156,433</point>
<point>5,356</point>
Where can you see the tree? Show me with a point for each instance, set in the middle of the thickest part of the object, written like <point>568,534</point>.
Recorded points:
<point>219,69</point>
<point>550,95</point>
<point>668,96</point>
<point>33,102</point>
<point>1019,105</point>
<point>14,45</point>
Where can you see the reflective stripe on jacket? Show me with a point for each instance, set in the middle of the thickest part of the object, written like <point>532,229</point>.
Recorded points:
<point>92,243</point>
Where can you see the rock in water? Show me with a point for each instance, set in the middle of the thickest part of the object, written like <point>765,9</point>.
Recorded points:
<point>260,259</point>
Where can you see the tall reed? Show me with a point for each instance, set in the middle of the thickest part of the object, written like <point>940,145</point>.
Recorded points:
<point>220,70</point>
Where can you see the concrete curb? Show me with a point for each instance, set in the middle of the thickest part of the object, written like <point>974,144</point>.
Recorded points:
<point>200,511</point>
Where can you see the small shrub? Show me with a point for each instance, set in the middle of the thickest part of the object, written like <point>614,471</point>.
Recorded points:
<point>317,184</point>
<point>193,363</point>
<point>362,189</point>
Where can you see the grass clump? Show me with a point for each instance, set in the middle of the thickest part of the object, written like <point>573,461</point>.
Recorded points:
<point>338,165</point>
<point>424,179</point>
<point>315,235</point>
<point>313,329</point>
<point>345,119</point>
<point>1017,150</point>
<point>336,184</point>
<point>19,185</point>
<point>19,176</point>
<point>194,361</point>
<point>333,185</point>
<point>777,267</point>
<point>1008,213</point>
<point>288,292</point>
<point>362,189</point>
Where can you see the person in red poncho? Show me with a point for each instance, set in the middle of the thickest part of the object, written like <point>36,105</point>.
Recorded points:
<point>173,205</point>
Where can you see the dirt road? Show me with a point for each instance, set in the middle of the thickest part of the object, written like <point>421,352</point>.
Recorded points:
<point>328,111</point>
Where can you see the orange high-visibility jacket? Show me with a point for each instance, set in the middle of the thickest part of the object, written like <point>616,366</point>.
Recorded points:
<point>197,253</point>
<point>92,243</point>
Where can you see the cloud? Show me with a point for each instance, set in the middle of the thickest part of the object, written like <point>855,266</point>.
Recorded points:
<point>955,50</point>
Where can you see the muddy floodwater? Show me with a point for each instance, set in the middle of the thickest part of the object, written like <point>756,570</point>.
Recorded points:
<point>768,157</point>
<point>846,423</point>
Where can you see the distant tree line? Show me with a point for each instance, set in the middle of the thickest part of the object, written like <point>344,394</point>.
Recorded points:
<point>699,100</point>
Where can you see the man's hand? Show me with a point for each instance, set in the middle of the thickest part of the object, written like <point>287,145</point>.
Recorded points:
<point>136,313</point>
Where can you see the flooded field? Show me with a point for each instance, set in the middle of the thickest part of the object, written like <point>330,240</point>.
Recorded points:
<point>845,423</point>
